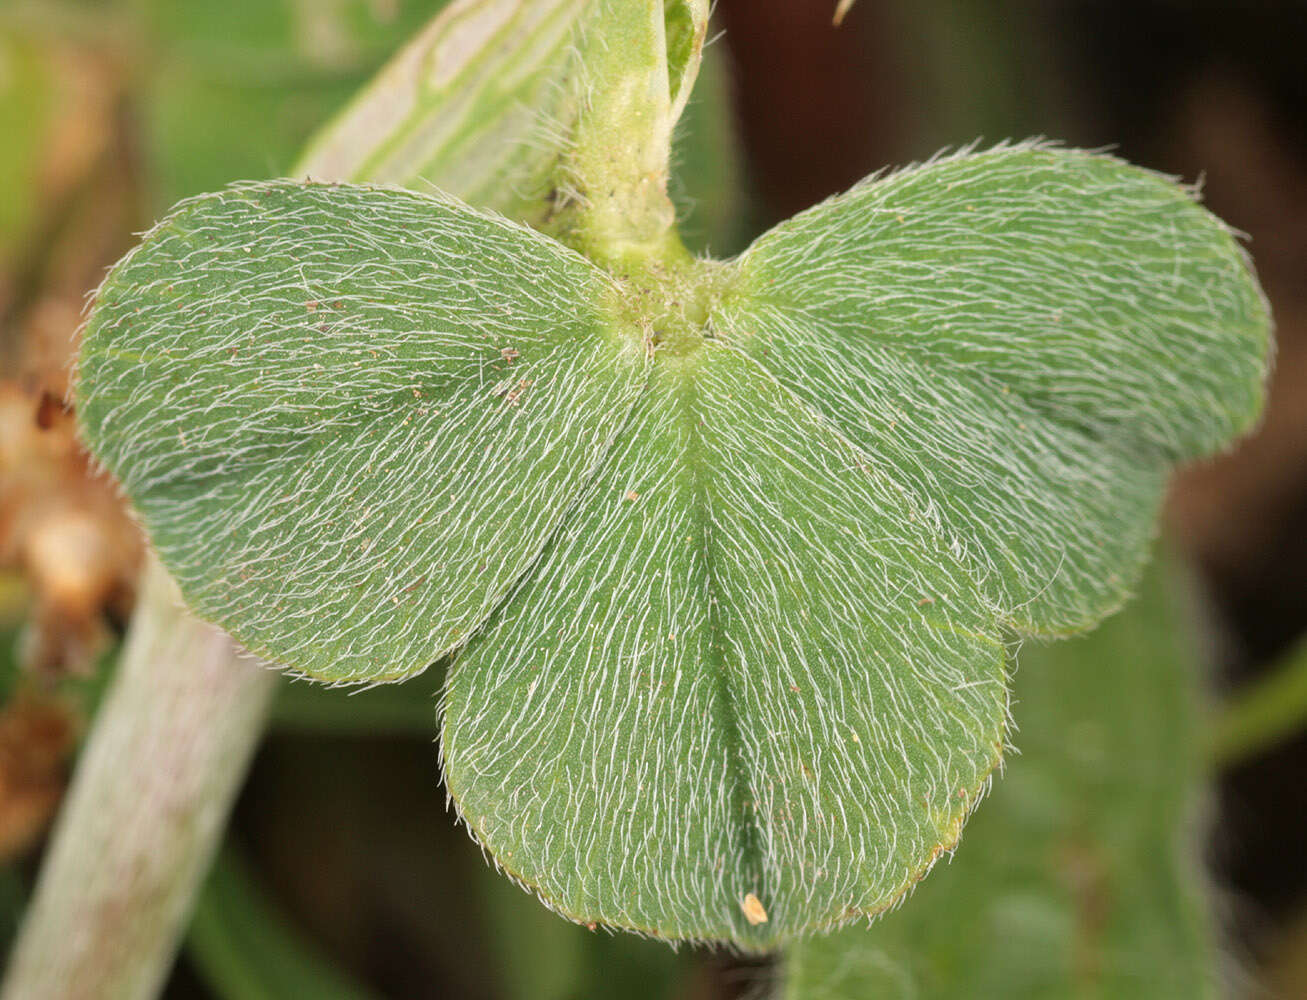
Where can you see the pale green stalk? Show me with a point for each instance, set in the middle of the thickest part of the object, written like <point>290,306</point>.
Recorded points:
<point>646,53</point>
<point>149,801</point>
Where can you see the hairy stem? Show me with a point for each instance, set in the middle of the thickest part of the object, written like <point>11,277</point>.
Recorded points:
<point>148,803</point>
<point>634,94</point>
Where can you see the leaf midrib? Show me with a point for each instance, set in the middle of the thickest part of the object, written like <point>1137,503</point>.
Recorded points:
<point>743,798</point>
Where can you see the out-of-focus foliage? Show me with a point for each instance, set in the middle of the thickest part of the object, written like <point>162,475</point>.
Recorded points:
<point>708,181</point>
<point>1079,877</point>
<point>69,206</point>
<point>1270,712</point>
<point>26,101</point>
<point>238,86</point>
<point>540,957</point>
<point>247,950</point>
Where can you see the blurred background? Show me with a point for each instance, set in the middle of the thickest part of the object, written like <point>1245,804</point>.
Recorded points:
<point>344,874</point>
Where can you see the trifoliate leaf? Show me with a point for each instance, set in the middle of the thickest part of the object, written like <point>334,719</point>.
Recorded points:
<point>745,693</point>
<point>1028,338</point>
<point>743,677</point>
<point>350,417</point>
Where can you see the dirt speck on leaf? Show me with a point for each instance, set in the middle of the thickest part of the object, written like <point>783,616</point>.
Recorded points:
<point>754,912</point>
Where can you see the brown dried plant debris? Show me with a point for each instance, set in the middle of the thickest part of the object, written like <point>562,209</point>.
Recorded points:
<point>37,737</point>
<point>62,526</point>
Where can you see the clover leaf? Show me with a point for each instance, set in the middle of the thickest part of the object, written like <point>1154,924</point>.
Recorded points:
<point>731,553</point>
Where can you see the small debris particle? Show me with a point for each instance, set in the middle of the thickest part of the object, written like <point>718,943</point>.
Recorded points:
<point>592,926</point>
<point>925,601</point>
<point>311,305</point>
<point>48,409</point>
<point>509,354</point>
<point>632,495</point>
<point>753,910</point>
<point>512,396</point>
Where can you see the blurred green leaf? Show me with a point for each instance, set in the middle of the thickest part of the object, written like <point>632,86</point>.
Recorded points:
<point>247,950</point>
<point>1267,711</point>
<point>537,954</point>
<point>236,88</point>
<point>479,104</point>
<point>28,89</point>
<point>407,709</point>
<point>707,182</point>
<point>541,956</point>
<point>13,899</point>
<point>1077,878</point>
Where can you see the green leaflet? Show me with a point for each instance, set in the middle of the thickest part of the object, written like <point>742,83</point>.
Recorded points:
<point>742,669</point>
<point>350,417</point>
<point>1074,881</point>
<point>1029,336</point>
<point>750,663</point>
